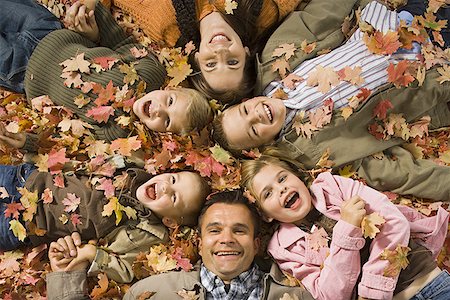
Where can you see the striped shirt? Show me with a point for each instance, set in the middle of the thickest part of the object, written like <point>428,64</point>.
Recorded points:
<point>354,53</point>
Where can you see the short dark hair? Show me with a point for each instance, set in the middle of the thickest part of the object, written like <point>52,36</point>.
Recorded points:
<point>234,197</point>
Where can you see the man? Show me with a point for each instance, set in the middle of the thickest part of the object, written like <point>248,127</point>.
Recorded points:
<point>229,242</point>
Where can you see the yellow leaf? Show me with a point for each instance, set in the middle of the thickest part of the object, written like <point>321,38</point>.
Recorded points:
<point>420,76</point>
<point>323,78</point>
<point>370,224</point>
<point>445,74</point>
<point>179,73</point>
<point>221,155</point>
<point>398,260</point>
<point>64,219</point>
<point>346,171</point>
<point>282,66</point>
<point>324,161</point>
<point>346,112</point>
<point>286,296</point>
<point>18,229</point>
<point>415,150</point>
<point>307,48</point>
<point>287,50</point>
<point>230,5</point>
<point>29,201</point>
<point>445,157</point>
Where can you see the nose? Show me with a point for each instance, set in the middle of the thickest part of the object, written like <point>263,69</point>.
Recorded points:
<point>226,237</point>
<point>165,188</point>
<point>283,190</point>
<point>255,116</point>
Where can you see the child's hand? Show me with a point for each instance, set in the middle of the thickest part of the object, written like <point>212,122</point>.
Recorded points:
<point>352,211</point>
<point>13,140</point>
<point>81,18</point>
<point>68,244</point>
<point>58,261</point>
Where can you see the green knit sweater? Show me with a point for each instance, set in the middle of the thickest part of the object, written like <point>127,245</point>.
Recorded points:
<point>44,69</point>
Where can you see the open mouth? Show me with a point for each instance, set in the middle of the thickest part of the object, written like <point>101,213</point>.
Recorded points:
<point>219,38</point>
<point>152,191</point>
<point>147,107</point>
<point>268,112</point>
<point>291,200</point>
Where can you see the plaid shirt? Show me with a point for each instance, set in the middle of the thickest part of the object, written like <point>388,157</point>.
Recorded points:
<point>248,285</point>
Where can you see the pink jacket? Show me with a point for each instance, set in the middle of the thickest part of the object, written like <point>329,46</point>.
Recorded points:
<point>331,273</point>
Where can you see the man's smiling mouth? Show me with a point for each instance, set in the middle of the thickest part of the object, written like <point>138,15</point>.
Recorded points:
<point>268,112</point>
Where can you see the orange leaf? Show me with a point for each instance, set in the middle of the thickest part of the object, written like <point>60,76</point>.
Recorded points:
<point>280,94</point>
<point>102,287</point>
<point>352,75</point>
<point>398,260</point>
<point>282,66</point>
<point>104,94</point>
<point>124,146</point>
<point>291,81</point>
<point>380,110</point>
<point>287,50</point>
<point>307,48</point>
<point>101,113</point>
<point>379,43</point>
<point>398,74</point>
<point>323,78</point>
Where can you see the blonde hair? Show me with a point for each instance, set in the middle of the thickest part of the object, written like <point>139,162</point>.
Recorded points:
<point>189,216</point>
<point>198,112</point>
<point>270,155</point>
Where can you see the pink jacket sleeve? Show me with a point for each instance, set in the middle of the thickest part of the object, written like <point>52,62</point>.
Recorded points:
<point>329,191</point>
<point>327,273</point>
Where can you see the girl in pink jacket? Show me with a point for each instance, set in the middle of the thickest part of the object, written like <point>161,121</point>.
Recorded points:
<point>342,238</point>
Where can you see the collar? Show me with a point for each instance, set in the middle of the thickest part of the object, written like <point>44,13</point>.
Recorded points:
<point>247,279</point>
<point>288,234</point>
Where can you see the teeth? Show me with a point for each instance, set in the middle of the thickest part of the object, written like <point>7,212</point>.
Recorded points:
<point>268,113</point>
<point>156,190</point>
<point>223,253</point>
<point>219,38</point>
<point>290,200</point>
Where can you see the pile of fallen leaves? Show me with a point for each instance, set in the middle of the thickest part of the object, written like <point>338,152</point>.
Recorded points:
<point>66,144</point>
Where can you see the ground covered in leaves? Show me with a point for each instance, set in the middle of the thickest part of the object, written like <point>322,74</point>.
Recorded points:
<point>67,141</point>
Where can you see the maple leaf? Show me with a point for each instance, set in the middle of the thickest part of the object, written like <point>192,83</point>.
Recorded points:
<point>3,193</point>
<point>113,206</point>
<point>282,66</point>
<point>398,74</point>
<point>102,287</point>
<point>370,224</point>
<point>288,50</point>
<point>105,62</point>
<point>182,262</point>
<point>291,81</point>
<point>80,101</point>
<point>221,155</point>
<point>18,230</point>
<point>77,127</point>
<point>445,157</point>
<point>47,196</point>
<point>323,78</point>
<point>77,63</point>
<point>39,102</point>
<point>146,295</point>
<point>420,76</point>
<point>159,260</point>
<point>346,171</point>
<point>104,94</point>
<point>130,73</point>
<point>9,262</point>
<point>138,53</point>
<point>56,160</point>
<point>64,219</point>
<point>58,181</point>
<point>124,146</point>
<point>75,219</point>
<point>379,43</point>
<point>398,260</point>
<point>380,111</point>
<point>324,161</point>
<point>101,113</point>
<point>352,75</point>
<point>72,79</point>
<point>29,202</point>
<point>97,148</point>
<point>416,151</point>
<point>318,239</point>
<point>107,186</point>
<point>437,36</point>
<point>346,112</point>
<point>420,127</point>
<point>430,22</point>
<point>445,74</point>
<point>13,209</point>
<point>230,5</point>
<point>179,73</point>
<point>71,202</point>
<point>307,48</point>
<point>86,87</point>
<point>188,295</point>
<point>280,94</point>
<point>322,115</point>
<point>189,47</point>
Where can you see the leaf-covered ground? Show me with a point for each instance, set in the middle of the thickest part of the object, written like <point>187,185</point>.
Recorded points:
<point>66,141</point>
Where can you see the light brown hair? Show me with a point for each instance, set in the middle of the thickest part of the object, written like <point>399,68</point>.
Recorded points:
<point>198,113</point>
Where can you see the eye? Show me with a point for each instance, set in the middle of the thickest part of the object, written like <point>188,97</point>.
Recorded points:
<point>170,102</point>
<point>172,179</point>
<point>245,110</point>
<point>233,62</point>
<point>210,64</point>
<point>254,131</point>
<point>174,198</point>
<point>267,194</point>
<point>282,178</point>
<point>214,231</point>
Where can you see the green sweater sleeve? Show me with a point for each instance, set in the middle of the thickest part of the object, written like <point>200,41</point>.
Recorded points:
<point>319,22</point>
<point>111,34</point>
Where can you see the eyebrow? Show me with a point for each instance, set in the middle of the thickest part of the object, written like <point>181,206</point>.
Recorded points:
<point>267,187</point>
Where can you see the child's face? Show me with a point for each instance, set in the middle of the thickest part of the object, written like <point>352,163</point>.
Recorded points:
<point>253,123</point>
<point>281,195</point>
<point>171,195</point>
<point>163,110</point>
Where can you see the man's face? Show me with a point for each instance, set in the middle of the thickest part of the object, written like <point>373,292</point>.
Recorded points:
<point>253,123</point>
<point>227,242</point>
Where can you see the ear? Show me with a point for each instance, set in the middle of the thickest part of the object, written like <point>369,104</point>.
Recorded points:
<point>247,50</point>
<point>267,219</point>
<point>257,244</point>
<point>169,222</point>
<point>199,247</point>
<point>196,57</point>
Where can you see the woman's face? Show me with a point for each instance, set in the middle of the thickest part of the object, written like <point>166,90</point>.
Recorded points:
<point>281,195</point>
<point>221,55</point>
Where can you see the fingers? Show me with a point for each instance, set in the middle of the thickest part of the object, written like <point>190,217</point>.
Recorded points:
<point>72,13</point>
<point>68,246</point>
<point>76,238</point>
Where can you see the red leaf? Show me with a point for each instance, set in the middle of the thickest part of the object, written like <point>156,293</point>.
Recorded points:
<point>105,62</point>
<point>101,113</point>
<point>56,160</point>
<point>380,110</point>
<point>75,219</point>
<point>13,209</point>
<point>124,146</point>
<point>104,94</point>
<point>398,74</point>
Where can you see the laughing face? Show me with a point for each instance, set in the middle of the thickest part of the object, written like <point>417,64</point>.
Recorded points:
<point>171,195</point>
<point>221,55</point>
<point>281,195</point>
<point>227,242</point>
<point>253,123</point>
<point>163,110</point>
